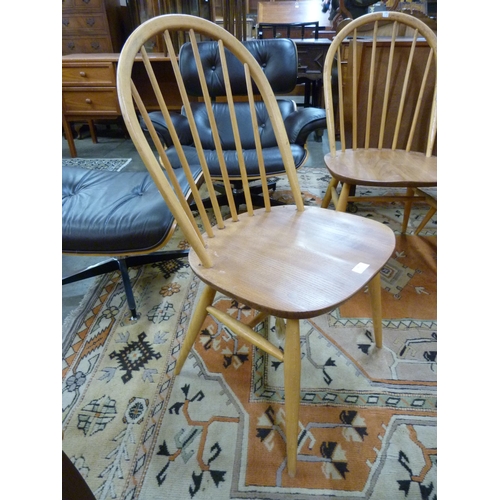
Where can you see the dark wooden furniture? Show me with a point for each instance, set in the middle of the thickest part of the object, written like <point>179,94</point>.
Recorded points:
<point>312,53</point>
<point>292,12</point>
<point>89,89</point>
<point>290,30</point>
<point>91,26</point>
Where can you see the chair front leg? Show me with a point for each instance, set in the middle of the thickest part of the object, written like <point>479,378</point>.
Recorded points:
<point>374,288</point>
<point>292,392</point>
<point>199,315</point>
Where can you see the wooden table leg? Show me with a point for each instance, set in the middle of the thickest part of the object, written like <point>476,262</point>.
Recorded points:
<point>93,133</point>
<point>69,137</point>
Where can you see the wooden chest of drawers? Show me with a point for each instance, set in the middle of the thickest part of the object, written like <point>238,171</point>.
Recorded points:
<point>89,89</point>
<point>91,26</point>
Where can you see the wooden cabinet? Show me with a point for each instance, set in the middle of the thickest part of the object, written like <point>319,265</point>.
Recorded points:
<point>91,26</point>
<point>88,92</point>
<point>89,89</point>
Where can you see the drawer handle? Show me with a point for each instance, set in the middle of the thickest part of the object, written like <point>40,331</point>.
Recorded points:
<point>82,73</point>
<point>90,21</point>
<point>65,22</point>
<point>88,101</point>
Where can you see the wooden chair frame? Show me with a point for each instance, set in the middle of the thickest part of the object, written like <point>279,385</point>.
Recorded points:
<point>408,159</point>
<point>292,262</point>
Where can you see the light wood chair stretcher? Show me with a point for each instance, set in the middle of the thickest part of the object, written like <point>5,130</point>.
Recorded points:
<point>291,261</point>
<point>384,113</point>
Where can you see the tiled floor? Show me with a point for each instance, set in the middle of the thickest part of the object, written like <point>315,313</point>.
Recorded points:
<point>112,143</point>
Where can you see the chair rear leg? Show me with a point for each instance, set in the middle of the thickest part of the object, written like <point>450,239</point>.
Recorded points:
<point>199,315</point>
<point>292,392</point>
<point>425,220</point>
<point>344,195</point>
<point>408,206</point>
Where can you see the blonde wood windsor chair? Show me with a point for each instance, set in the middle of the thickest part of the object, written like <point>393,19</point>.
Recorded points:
<point>292,261</point>
<point>386,109</point>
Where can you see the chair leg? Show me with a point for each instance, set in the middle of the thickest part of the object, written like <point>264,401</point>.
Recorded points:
<point>199,315</point>
<point>122,266</point>
<point>292,392</point>
<point>328,194</point>
<point>107,266</point>
<point>426,219</point>
<point>344,195</point>
<point>93,133</point>
<point>374,288</point>
<point>406,215</point>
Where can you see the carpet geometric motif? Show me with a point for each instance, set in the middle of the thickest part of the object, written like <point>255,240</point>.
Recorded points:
<point>367,425</point>
<point>134,356</point>
<point>114,164</point>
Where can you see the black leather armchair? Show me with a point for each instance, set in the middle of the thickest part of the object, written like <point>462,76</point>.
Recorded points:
<point>278,58</point>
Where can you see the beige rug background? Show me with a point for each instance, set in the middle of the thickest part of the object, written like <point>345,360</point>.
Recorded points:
<point>367,418</point>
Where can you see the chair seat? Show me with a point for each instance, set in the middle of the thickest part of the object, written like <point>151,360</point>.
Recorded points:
<point>114,213</point>
<point>383,167</point>
<point>295,264</point>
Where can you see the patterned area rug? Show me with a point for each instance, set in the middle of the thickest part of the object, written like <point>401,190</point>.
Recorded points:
<point>115,164</point>
<point>367,417</point>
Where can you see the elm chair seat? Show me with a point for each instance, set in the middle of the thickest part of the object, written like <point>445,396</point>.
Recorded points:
<point>117,214</point>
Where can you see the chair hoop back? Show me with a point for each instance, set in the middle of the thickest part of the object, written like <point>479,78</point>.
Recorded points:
<point>134,52</point>
<point>387,91</point>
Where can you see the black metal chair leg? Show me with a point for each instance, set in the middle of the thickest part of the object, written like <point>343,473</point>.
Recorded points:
<point>122,266</point>
<point>107,266</point>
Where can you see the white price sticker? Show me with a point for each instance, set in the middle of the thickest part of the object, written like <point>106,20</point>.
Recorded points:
<point>360,268</point>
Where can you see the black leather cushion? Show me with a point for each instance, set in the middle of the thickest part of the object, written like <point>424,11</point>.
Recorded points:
<point>277,58</point>
<point>273,160</point>
<point>113,213</point>
<point>244,118</point>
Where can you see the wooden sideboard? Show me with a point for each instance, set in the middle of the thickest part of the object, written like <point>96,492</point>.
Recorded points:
<point>292,12</point>
<point>91,26</point>
<point>89,89</point>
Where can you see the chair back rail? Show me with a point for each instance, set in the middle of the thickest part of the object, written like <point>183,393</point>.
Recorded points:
<point>388,91</point>
<point>160,165</point>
